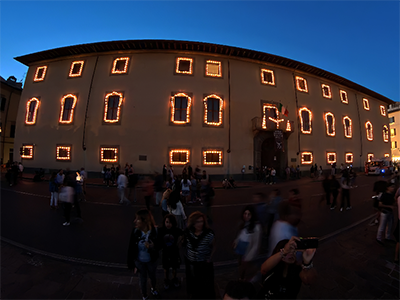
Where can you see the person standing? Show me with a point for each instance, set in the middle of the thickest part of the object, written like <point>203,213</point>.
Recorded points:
<point>164,173</point>
<point>345,184</point>
<point>148,191</point>
<point>175,208</point>
<point>158,187</point>
<point>83,175</point>
<point>386,206</point>
<point>273,176</point>
<point>122,183</point>
<point>334,186</point>
<point>59,183</point>
<point>53,188</point>
<point>186,185</point>
<point>21,169</point>
<point>272,209</point>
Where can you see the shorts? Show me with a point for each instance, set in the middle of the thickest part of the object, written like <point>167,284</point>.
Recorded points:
<point>185,193</point>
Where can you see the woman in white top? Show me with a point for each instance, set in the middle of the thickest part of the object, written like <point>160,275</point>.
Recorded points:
<point>185,184</point>
<point>175,207</point>
<point>247,242</point>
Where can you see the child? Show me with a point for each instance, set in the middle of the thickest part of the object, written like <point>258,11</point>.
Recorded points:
<point>170,237</point>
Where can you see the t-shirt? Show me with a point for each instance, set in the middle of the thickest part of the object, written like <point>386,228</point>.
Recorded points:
<point>169,238</point>
<point>186,186</point>
<point>386,199</point>
<point>144,255</point>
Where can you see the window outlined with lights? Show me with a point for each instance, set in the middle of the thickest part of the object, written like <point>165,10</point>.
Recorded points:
<point>267,77</point>
<point>305,116</point>
<point>347,127</point>
<point>112,107</point>
<point>179,156</point>
<point>212,157</point>
<point>329,119</point>
<point>301,84</point>
<point>40,73</point>
<point>385,133</point>
<point>184,65</point>
<point>76,68</point>
<point>27,151</point>
<point>213,106</point>
<point>382,110</point>
<point>330,157</point>
<point>32,107</point>
<point>349,157</point>
<point>394,144</point>
<point>68,103</point>
<point>369,131</point>
<point>120,65</point>
<point>386,155</point>
<point>343,97</point>
<point>180,108</point>
<point>326,91</point>
<point>307,158</point>
<point>109,154</point>
<point>213,68</point>
<point>63,152</point>
<point>366,103</point>
<point>370,156</point>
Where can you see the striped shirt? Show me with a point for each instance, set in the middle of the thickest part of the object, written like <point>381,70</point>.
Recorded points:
<point>199,248</point>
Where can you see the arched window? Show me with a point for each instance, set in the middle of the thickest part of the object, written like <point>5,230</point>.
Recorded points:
<point>68,103</point>
<point>180,108</point>
<point>31,111</point>
<point>369,130</point>
<point>112,107</point>
<point>270,117</point>
<point>305,120</point>
<point>348,130</point>
<point>330,124</point>
<point>213,110</point>
<point>385,132</point>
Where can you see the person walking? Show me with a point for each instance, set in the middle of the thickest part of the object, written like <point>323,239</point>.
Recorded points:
<point>185,188</point>
<point>53,188</point>
<point>386,206</point>
<point>334,187</point>
<point>122,183</point>
<point>175,208</point>
<point>345,184</point>
<point>272,209</point>
<point>148,191</point>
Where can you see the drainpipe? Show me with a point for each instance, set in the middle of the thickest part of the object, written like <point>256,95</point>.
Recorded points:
<point>359,126</point>
<point>229,117</point>
<point>3,136</point>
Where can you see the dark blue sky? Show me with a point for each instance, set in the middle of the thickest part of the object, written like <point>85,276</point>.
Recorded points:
<point>358,40</point>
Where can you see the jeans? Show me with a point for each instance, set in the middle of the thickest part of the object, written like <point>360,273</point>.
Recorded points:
<point>158,197</point>
<point>345,196</point>
<point>146,268</point>
<point>386,222</point>
<point>121,195</point>
<point>54,199</point>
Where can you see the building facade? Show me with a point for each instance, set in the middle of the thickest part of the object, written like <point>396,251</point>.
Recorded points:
<point>394,123</point>
<point>10,96</point>
<point>159,102</point>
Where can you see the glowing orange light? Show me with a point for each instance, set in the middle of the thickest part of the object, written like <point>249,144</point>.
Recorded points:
<point>386,155</point>
<point>385,134</point>
<point>71,114</point>
<point>30,117</point>
<point>330,130</point>
<point>219,162</point>
<point>221,103</point>
<point>366,103</point>
<point>190,60</point>
<point>302,122</point>
<point>115,159</point>
<point>343,97</point>
<point>370,157</point>
<point>264,121</point>
<point>114,69</point>
<point>369,130</point>
<point>213,68</point>
<point>347,129</point>
<point>189,103</point>
<point>71,70</point>
<point>349,158</point>
<point>40,73</point>
<point>326,91</point>
<point>67,152</point>
<point>29,149</point>
<point>263,71</point>
<point>331,157</point>
<point>171,157</point>
<point>288,127</point>
<point>118,109</point>
<point>306,158</point>
<point>301,84</point>
<point>383,110</point>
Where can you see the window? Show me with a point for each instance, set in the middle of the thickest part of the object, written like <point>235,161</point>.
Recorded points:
<point>112,108</point>
<point>27,152</point>
<point>40,73</point>
<point>109,154</point>
<point>213,110</point>
<point>12,131</point>
<point>394,144</point>
<point>347,128</point>
<point>349,158</point>
<point>3,103</point>
<point>31,111</point>
<point>391,120</point>
<point>267,77</point>
<point>331,157</point>
<point>370,156</point>
<point>76,68</point>
<point>305,120</point>
<point>179,157</point>
<point>385,132</point>
<point>343,97</point>
<point>68,103</point>
<point>63,153</point>
<point>306,158</point>
<point>383,110</point>
<point>326,91</point>
<point>184,65</point>
<point>301,84</point>
<point>180,108</point>
<point>386,155</point>
<point>213,68</point>
<point>330,124</point>
<point>212,157</point>
<point>392,132</point>
<point>366,103</point>
<point>120,65</point>
<point>369,131</point>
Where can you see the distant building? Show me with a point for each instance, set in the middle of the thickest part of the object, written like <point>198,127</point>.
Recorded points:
<point>10,96</point>
<point>394,124</point>
<point>156,102</point>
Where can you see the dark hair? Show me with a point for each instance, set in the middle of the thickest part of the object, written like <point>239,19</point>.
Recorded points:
<point>174,198</point>
<point>238,289</point>
<point>171,219</point>
<point>260,194</point>
<point>277,191</point>
<point>253,219</point>
<point>295,191</point>
<point>146,217</point>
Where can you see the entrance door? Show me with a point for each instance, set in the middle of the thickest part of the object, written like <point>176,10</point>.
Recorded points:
<point>269,156</point>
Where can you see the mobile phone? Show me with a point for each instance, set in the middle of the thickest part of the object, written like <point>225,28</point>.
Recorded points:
<point>307,243</point>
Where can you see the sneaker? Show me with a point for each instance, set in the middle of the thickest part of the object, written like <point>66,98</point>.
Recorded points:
<point>176,282</point>
<point>166,284</point>
<point>348,207</point>
<point>66,223</point>
<point>341,209</point>
<point>333,207</point>
<point>154,292</point>
<point>145,297</point>
<point>380,242</point>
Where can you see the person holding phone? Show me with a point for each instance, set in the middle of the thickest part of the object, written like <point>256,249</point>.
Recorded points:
<point>283,275</point>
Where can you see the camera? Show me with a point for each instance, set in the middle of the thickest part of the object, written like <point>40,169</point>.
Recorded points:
<point>307,243</point>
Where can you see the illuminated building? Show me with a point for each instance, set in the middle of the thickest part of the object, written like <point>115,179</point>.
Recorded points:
<point>394,129</point>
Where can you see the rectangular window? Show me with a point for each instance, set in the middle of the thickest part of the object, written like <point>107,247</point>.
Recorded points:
<point>112,109</point>
<point>386,155</point>
<point>343,97</point>
<point>184,65</point>
<point>326,91</point>
<point>12,131</point>
<point>394,144</point>
<point>392,132</point>
<point>366,103</point>
<point>305,120</point>
<point>391,120</point>
<point>349,158</point>
<point>179,157</point>
<point>3,103</point>
<point>120,65</point>
<point>213,68</point>
<point>306,158</point>
<point>180,108</point>
<point>63,153</point>
<point>212,157</point>
<point>143,157</point>
<point>76,69</point>
<point>331,157</point>
<point>301,84</point>
<point>213,110</point>
<point>383,110</point>
<point>267,77</point>
<point>27,152</point>
<point>68,103</point>
<point>370,156</point>
<point>40,73</point>
<point>109,154</point>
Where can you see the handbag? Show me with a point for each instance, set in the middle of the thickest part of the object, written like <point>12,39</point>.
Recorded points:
<point>241,247</point>
<point>66,194</point>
